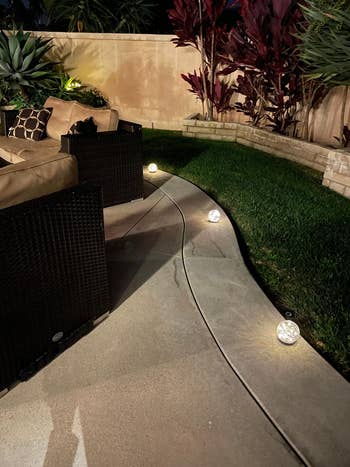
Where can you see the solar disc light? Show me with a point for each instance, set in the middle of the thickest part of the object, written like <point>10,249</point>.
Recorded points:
<point>214,215</point>
<point>152,168</point>
<point>288,332</point>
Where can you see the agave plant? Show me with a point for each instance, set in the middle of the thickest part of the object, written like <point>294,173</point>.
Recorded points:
<point>21,60</point>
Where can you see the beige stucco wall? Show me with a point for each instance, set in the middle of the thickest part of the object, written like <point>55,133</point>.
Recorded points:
<point>140,74</point>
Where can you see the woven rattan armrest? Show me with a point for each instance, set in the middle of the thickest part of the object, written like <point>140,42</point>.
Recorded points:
<point>129,127</point>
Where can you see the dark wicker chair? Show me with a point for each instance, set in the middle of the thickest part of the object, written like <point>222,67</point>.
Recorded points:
<point>53,275</point>
<point>112,159</point>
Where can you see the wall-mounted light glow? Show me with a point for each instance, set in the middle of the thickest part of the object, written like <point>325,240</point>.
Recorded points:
<point>152,168</point>
<point>71,84</point>
<point>214,215</point>
<point>288,332</point>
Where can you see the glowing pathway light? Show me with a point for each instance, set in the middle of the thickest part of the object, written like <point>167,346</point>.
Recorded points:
<point>214,215</point>
<point>288,332</point>
<point>152,168</point>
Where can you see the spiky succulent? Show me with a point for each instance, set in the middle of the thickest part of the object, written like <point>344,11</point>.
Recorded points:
<point>21,60</point>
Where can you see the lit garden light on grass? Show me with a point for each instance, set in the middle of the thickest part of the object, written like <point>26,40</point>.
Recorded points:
<point>152,168</point>
<point>288,332</point>
<point>214,215</point>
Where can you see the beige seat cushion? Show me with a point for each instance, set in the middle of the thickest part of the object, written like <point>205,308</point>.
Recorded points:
<point>59,122</point>
<point>33,179</point>
<point>18,150</point>
<point>105,119</point>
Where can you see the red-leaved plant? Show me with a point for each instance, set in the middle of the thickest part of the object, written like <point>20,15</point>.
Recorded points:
<point>203,25</point>
<point>260,42</point>
<point>263,46</point>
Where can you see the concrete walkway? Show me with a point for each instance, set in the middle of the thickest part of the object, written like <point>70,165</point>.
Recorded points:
<point>187,370</point>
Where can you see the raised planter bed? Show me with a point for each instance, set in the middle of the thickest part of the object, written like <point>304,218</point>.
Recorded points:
<point>334,164</point>
<point>337,173</point>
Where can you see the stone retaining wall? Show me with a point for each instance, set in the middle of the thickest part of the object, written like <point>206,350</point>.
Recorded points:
<point>337,173</point>
<point>335,164</point>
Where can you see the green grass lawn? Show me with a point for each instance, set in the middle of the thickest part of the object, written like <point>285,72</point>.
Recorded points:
<point>296,233</point>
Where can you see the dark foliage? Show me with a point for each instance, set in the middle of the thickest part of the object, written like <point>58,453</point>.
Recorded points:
<point>205,25</point>
<point>263,46</point>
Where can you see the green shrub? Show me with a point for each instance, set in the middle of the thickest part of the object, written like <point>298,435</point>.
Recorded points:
<point>22,63</point>
<point>64,87</point>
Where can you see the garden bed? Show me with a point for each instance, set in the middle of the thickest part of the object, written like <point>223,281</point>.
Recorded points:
<point>335,164</point>
<point>294,231</point>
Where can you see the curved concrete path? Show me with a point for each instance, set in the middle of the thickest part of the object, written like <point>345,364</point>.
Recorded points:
<point>187,370</point>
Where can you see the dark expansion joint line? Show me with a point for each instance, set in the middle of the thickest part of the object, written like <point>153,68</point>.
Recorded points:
<point>285,437</point>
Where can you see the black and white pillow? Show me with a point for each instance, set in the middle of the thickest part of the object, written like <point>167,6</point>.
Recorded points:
<point>30,124</point>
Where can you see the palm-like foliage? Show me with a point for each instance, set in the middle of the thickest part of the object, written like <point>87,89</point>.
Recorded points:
<point>28,13</point>
<point>325,45</point>
<point>21,60</point>
<point>82,15</point>
<point>134,16</point>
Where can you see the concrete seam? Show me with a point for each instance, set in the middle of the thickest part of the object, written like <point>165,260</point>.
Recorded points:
<point>250,391</point>
<point>144,215</point>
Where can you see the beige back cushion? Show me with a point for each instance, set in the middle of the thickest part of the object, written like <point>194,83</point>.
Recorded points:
<point>105,119</point>
<point>59,122</point>
<point>33,179</point>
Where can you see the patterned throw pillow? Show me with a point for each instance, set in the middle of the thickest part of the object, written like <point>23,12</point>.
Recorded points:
<point>30,124</point>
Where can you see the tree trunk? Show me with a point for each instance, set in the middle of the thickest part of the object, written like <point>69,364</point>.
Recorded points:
<point>342,116</point>
<point>203,58</point>
<point>212,77</point>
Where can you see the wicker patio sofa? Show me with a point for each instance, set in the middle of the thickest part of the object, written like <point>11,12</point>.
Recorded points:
<point>53,276</point>
<point>53,273</point>
<point>111,158</point>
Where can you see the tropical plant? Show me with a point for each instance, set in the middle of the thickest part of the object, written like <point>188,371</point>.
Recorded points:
<point>63,86</point>
<point>27,13</point>
<point>22,63</point>
<point>6,94</point>
<point>219,96</point>
<point>325,46</point>
<point>82,15</point>
<point>263,47</point>
<point>134,16</point>
<point>202,24</point>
